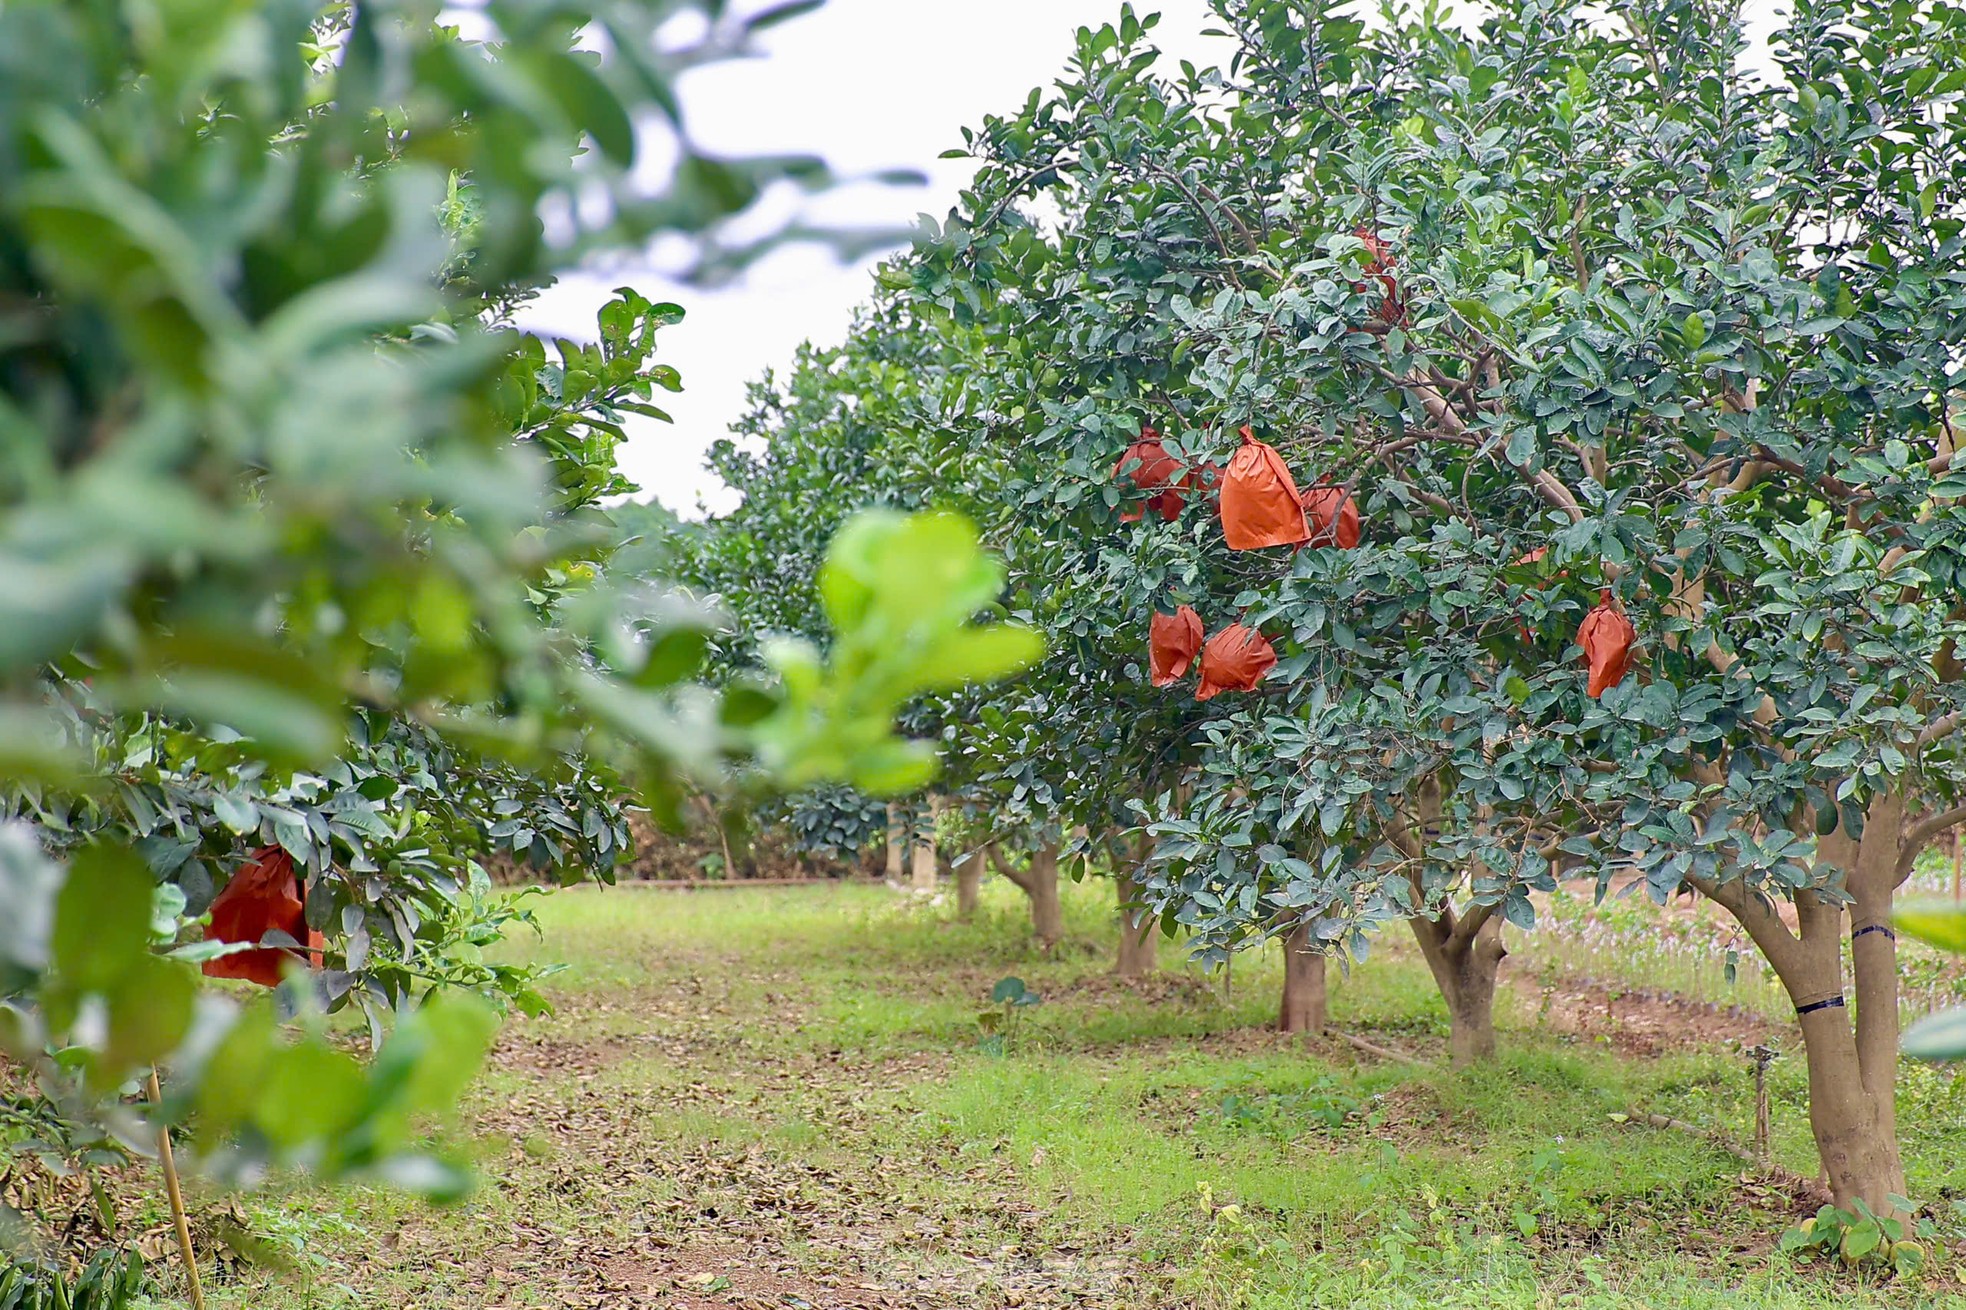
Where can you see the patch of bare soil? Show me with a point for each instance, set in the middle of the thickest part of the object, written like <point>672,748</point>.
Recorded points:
<point>676,1164</point>
<point>1644,1023</point>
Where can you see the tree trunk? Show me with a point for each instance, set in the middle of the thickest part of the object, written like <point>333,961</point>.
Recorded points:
<point>1139,933</point>
<point>897,842</point>
<point>1047,915</point>
<point>1039,882</point>
<point>927,860</point>
<point>1463,951</point>
<point>1852,1067</point>
<point>1304,1002</point>
<point>1464,955</point>
<point>969,885</point>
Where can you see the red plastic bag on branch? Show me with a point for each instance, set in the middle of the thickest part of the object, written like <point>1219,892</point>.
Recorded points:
<point>1606,637</point>
<point>1235,659</point>
<point>1173,641</point>
<point>1332,516</point>
<point>1149,466</point>
<point>1535,556</point>
<point>264,896</point>
<point>1260,504</point>
<point>1391,311</point>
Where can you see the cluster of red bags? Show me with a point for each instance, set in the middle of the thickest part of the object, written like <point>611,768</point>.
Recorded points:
<point>265,895</point>
<point>1234,659</point>
<point>1259,500</point>
<point>1261,505</point>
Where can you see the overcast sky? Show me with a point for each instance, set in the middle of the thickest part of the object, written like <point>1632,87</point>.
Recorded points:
<point>869,85</point>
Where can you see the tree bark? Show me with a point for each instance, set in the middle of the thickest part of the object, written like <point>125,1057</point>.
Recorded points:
<point>1038,881</point>
<point>1139,933</point>
<point>1304,1001</point>
<point>897,841</point>
<point>969,885</point>
<point>927,860</point>
<point>1464,954</point>
<point>1852,1066</point>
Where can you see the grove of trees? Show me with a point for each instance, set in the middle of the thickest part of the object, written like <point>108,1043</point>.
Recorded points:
<point>1617,378</point>
<point>1372,482</point>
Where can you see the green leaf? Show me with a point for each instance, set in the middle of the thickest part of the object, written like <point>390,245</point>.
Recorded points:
<point>1936,924</point>
<point>150,1008</point>
<point>447,1039</point>
<point>102,918</point>
<point>981,655</point>
<point>588,102</point>
<point>673,656</point>
<point>236,812</point>
<point>1861,1240</point>
<point>781,13</point>
<point>1940,1036</point>
<point>308,1092</point>
<point>891,769</point>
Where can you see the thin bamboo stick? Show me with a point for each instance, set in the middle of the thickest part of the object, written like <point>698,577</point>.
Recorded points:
<point>177,1200</point>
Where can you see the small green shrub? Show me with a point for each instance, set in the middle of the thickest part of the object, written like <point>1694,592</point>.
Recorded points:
<point>113,1280</point>
<point>1863,1240</point>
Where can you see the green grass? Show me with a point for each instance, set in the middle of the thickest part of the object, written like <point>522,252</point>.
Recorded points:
<point>786,1090</point>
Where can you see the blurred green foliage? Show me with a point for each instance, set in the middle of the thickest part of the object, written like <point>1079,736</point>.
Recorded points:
<point>301,544</point>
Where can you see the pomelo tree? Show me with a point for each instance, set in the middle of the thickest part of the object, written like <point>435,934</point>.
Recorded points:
<point>1589,318</point>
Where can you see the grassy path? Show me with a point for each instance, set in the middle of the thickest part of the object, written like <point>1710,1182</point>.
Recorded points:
<point>779,1099</point>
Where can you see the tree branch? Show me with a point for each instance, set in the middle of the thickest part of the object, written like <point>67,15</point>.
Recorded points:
<point>1470,923</point>
<point>1754,913</point>
<point>1943,726</point>
<point>1920,834</point>
<point>1006,868</point>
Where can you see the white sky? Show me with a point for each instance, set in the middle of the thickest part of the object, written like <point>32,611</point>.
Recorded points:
<point>868,85</point>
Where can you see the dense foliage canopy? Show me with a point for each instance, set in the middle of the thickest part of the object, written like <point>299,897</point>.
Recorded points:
<point>1617,381</point>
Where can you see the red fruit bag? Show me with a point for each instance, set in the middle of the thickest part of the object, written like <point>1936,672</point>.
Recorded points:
<point>1535,556</point>
<point>1391,311</point>
<point>1332,516</point>
<point>264,896</point>
<point>1260,504</point>
<point>1173,641</point>
<point>1152,469</point>
<point>1606,636</point>
<point>1235,659</point>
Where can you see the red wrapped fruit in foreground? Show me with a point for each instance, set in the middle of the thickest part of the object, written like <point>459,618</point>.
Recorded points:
<point>1173,641</point>
<point>1235,659</point>
<point>1606,637</point>
<point>264,896</point>
<point>1260,504</point>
